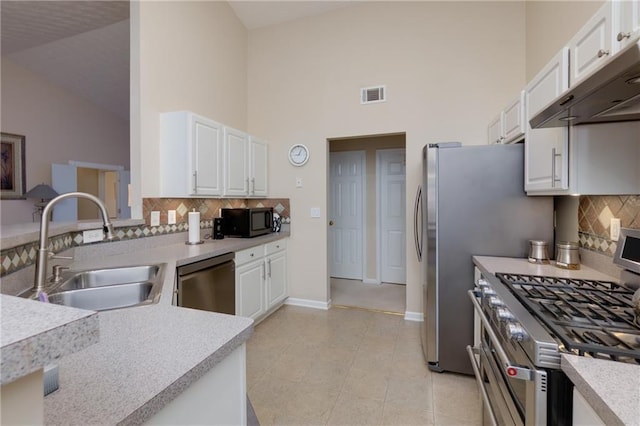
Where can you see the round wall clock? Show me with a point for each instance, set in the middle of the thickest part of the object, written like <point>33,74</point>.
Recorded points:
<point>298,155</point>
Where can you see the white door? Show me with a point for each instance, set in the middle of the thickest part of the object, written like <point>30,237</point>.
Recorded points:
<point>346,218</point>
<point>392,209</point>
<point>64,178</point>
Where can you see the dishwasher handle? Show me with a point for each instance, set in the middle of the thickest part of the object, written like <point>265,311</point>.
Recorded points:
<point>205,264</point>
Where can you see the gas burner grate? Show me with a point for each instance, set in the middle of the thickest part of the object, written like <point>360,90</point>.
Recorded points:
<point>588,316</point>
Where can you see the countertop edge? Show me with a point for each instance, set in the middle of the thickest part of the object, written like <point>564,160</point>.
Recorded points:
<point>154,405</point>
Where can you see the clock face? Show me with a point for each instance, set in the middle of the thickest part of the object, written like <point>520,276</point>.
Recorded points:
<point>298,155</point>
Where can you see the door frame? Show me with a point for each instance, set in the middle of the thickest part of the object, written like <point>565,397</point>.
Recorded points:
<point>379,210</point>
<point>363,200</point>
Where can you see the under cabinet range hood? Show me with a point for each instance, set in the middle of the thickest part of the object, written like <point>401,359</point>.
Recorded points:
<point>611,93</point>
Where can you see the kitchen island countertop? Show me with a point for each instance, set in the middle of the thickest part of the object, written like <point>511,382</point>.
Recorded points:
<point>611,388</point>
<point>145,355</point>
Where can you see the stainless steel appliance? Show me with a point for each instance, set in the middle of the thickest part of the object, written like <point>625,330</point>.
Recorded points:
<point>209,285</point>
<point>527,321</point>
<point>474,205</point>
<point>247,223</point>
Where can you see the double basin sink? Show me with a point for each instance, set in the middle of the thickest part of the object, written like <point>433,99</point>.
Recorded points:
<point>109,288</point>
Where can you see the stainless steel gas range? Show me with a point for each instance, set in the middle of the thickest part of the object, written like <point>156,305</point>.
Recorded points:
<point>526,321</point>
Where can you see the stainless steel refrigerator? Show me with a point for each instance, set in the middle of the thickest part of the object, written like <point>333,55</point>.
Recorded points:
<point>473,203</point>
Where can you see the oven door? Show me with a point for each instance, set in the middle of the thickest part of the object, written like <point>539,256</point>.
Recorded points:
<point>513,393</point>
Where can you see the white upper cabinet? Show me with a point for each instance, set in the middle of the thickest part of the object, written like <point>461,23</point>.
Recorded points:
<point>514,119</point>
<point>258,158</point>
<point>593,44</point>
<point>190,155</point>
<point>236,153</point>
<point>546,150</point>
<point>245,165</point>
<point>626,22</point>
<point>509,125</point>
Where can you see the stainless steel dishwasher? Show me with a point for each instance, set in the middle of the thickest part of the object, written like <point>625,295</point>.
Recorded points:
<point>209,285</point>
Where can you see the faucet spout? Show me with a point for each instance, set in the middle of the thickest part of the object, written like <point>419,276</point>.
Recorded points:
<point>43,247</point>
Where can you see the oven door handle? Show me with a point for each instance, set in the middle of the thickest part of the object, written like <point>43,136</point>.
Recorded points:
<point>483,391</point>
<point>513,371</point>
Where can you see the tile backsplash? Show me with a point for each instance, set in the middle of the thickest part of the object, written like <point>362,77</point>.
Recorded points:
<point>594,219</point>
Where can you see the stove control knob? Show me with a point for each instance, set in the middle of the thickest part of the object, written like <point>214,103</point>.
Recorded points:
<point>516,332</point>
<point>494,302</point>
<point>503,314</point>
<point>482,283</point>
<point>488,292</point>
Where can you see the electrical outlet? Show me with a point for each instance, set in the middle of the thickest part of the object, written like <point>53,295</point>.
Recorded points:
<point>298,182</point>
<point>315,211</point>
<point>92,235</point>
<point>615,229</point>
<point>171,217</point>
<point>155,218</point>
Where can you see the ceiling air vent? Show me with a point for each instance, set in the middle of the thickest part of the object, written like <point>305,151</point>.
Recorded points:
<point>370,95</point>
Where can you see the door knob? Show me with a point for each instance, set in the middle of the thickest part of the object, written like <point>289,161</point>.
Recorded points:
<point>330,223</point>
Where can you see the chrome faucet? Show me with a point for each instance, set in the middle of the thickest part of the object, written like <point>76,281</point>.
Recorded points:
<point>43,250</point>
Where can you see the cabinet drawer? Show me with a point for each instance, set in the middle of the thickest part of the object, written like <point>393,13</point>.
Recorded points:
<point>249,254</point>
<point>275,246</point>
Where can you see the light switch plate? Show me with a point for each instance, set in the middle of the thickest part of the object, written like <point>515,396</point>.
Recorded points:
<point>155,218</point>
<point>615,229</point>
<point>298,182</point>
<point>171,217</point>
<point>315,211</point>
<point>92,235</point>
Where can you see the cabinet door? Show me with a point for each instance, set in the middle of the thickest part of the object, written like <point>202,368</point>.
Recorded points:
<point>592,45</point>
<point>236,181</point>
<point>546,150</point>
<point>495,130</point>
<point>513,119</point>
<point>250,294</point>
<point>258,167</point>
<point>627,23</point>
<point>207,157</point>
<point>276,278</point>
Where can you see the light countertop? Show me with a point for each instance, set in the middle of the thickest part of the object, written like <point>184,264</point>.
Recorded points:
<point>611,388</point>
<point>146,355</point>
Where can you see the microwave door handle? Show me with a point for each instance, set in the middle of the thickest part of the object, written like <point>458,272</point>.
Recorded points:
<point>513,371</point>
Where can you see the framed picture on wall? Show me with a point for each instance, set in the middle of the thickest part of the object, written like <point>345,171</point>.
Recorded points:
<point>12,174</point>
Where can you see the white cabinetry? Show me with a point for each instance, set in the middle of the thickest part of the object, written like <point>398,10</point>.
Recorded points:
<point>593,44</point>
<point>261,279</point>
<point>190,155</point>
<point>626,28</point>
<point>509,126</point>
<point>583,413</point>
<point>546,150</point>
<point>245,165</point>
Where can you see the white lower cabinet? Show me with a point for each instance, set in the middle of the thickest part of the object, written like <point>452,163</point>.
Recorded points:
<point>261,279</point>
<point>583,413</point>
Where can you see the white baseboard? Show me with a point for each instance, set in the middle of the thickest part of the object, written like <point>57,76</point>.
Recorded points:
<point>413,316</point>
<point>370,281</point>
<point>307,303</point>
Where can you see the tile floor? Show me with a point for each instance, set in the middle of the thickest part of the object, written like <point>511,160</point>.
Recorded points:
<point>350,366</point>
<point>384,297</point>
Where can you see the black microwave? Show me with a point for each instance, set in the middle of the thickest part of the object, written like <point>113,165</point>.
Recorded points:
<point>247,222</point>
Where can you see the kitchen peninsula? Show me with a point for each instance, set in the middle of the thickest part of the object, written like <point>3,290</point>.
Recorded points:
<point>153,362</point>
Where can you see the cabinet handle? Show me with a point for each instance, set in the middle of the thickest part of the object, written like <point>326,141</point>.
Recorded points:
<point>621,36</point>
<point>602,53</point>
<point>553,167</point>
<point>269,264</point>
<point>248,192</point>
<point>195,182</point>
<point>253,186</point>
<point>264,272</point>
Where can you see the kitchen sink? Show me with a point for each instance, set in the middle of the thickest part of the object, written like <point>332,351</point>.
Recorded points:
<point>110,288</point>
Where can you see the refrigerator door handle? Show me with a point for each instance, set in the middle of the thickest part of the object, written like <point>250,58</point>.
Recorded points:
<point>417,223</point>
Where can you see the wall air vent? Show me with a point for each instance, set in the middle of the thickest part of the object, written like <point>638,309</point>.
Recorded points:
<point>371,95</point>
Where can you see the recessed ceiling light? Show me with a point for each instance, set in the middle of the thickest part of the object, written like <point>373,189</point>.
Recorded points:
<point>634,80</point>
<point>569,118</point>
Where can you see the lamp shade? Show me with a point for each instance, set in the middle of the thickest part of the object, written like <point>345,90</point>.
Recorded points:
<point>42,191</point>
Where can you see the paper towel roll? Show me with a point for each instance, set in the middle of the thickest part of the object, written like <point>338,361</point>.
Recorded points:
<point>194,227</point>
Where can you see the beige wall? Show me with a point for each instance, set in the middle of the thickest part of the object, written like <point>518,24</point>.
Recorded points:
<point>550,25</point>
<point>370,145</point>
<point>448,67</point>
<point>186,55</point>
<point>59,127</point>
